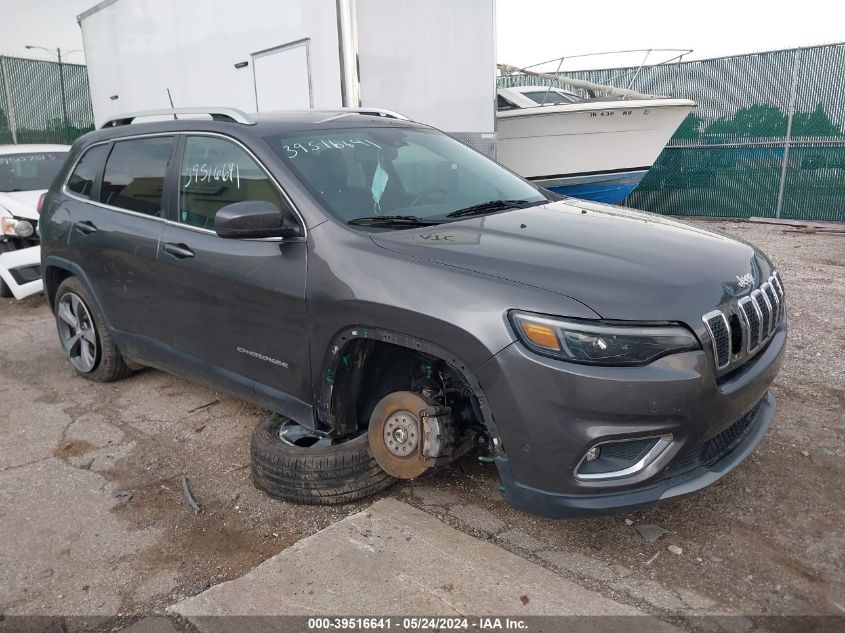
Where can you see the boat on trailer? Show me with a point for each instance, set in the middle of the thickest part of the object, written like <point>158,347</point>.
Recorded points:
<point>597,143</point>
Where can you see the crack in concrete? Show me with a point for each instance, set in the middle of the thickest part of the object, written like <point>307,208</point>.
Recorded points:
<point>30,463</point>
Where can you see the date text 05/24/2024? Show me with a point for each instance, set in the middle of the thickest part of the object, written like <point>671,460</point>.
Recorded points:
<point>417,623</point>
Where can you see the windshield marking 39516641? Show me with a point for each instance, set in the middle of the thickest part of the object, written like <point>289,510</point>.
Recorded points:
<point>389,179</point>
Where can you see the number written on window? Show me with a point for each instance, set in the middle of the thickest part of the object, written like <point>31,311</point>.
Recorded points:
<point>216,172</point>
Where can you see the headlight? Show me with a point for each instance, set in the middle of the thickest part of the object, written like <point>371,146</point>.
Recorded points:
<point>18,228</point>
<point>600,342</point>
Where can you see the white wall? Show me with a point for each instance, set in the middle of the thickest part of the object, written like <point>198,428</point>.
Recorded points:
<point>136,49</point>
<point>431,60</point>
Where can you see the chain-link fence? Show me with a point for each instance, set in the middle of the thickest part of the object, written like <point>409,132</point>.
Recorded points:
<point>43,101</point>
<point>766,138</point>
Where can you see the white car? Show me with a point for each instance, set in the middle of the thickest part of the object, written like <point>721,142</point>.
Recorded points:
<point>26,172</point>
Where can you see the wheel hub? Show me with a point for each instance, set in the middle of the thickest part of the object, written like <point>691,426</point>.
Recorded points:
<point>395,433</point>
<point>402,433</point>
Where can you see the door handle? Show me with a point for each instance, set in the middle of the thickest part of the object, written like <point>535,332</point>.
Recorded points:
<point>86,227</point>
<point>179,251</point>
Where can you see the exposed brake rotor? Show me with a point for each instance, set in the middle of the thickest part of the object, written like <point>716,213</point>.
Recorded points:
<point>397,434</point>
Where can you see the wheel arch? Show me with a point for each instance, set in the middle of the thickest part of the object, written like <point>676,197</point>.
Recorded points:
<point>325,390</point>
<point>56,270</point>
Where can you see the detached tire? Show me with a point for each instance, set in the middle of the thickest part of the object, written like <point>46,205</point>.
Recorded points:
<point>314,475</point>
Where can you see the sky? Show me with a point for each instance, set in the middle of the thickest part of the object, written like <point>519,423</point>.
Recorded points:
<point>531,31</point>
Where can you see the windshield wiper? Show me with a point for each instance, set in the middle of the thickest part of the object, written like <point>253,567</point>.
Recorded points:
<point>405,220</point>
<point>493,205</point>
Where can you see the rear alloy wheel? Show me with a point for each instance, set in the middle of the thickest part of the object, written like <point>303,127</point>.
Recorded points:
<point>85,341</point>
<point>292,462</point>
<point>77,333</point>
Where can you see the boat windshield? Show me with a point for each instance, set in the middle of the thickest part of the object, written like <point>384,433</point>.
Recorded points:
<point>30,171</point>
<point>552,97</point>
<point>393,177</point>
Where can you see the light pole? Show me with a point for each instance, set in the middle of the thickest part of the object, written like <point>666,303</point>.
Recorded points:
<point>58,54</point>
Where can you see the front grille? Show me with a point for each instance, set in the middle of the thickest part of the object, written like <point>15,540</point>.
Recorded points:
<point>751,315</point>
<point>727,440</point>
<point>765,308</point>
<point>751,321</point>
<point>769,292</point>
<point>720,331</point>
<point>719,446</point>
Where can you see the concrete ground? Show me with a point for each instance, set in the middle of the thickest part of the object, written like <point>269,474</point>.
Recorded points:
<point>93,520</point>
<point>399,552</point>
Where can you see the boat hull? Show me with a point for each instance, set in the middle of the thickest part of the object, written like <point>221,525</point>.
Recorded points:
<point>596,150</point>
<point>610,188</point>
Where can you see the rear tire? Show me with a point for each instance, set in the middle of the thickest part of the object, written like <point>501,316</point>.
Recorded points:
<point>323,475</point>
<point>102,361</point>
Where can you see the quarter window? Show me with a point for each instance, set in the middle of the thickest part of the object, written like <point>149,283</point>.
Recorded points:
<point>216,172</point>
<point>134,176</point>
<point>81,181</point>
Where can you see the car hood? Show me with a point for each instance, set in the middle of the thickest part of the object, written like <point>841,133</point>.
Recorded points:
<point>21,204</point>
<point>624,264</point>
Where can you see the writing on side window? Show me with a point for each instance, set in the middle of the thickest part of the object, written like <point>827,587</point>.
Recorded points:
<point>212,172</point>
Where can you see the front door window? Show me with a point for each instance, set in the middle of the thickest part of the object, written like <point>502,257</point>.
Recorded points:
<point>216,172</point>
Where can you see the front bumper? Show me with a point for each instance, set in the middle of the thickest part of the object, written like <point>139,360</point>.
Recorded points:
<point>20,270</point>
<point>548,413</point>
<point>561,506</point>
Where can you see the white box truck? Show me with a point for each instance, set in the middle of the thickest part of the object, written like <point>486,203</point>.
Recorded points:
<point>432,60</point>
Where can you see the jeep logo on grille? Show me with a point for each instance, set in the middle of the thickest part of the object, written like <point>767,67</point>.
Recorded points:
<point>745,281</point>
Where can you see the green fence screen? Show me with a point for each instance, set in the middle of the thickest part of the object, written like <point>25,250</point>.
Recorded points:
<point>766,138</point>
<point>43,101</point>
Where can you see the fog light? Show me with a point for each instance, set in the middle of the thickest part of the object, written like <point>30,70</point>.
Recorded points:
<point>23,228</point>
<point>593,454</point>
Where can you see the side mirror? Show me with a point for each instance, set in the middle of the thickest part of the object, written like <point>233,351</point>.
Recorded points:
<point>252,219</point>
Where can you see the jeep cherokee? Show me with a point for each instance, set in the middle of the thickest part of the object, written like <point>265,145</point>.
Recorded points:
<point>399,300</point>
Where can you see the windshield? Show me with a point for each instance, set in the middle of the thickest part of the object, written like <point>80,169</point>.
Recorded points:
<point>29,172</point>
<point>417,175</point>
<point>551,97</point>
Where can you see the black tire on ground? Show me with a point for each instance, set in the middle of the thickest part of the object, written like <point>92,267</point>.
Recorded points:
<point>109,365</point>
<point>317,476</point>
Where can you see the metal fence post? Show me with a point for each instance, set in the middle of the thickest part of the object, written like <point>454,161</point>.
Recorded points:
<point>64,96</point>
<point>793,94</point>
<point>10,104</point>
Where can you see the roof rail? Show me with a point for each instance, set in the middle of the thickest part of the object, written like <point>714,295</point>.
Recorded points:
<point>218,114</point>
<point>379,112</point>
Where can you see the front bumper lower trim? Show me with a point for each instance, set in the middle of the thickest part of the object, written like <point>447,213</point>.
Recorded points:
<point>562,506</point>
<point>662,443</point>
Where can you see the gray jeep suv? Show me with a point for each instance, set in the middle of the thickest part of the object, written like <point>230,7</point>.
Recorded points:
<point>399,300</point>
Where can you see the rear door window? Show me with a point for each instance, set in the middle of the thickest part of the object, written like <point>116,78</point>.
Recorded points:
<point>135,173</point>
<point>89,167</point>
<point>216,172</point>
